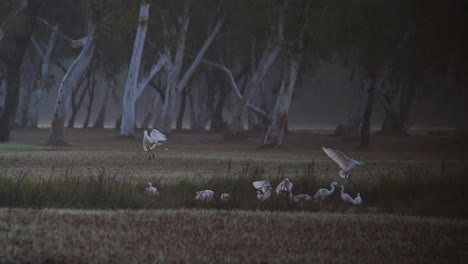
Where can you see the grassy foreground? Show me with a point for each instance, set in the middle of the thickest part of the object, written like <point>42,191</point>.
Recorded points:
<point>214,236</point>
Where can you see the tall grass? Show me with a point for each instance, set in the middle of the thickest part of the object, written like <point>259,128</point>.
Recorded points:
<point>413,192</point>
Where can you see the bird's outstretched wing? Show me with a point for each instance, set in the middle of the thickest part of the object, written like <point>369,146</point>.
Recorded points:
<point>262,186</point>
<point>338,156</point>
<point>148,143</point>
<point>157,136</point>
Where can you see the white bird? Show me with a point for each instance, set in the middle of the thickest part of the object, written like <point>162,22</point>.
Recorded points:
<point>285,187</point>
<point>151,189</point>
<point>346,197</point>
<point>323,193</point>
<point>346,164</point>
<point>204,195</point>
<point>301,198</point>
<point>264,190</point>
<point>357,200</point>
<point>152,140</point>
<point>225,197</point>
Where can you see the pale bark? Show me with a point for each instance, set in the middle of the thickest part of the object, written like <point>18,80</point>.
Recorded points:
<point>129,99</point>
<point>45,81</point>
<point>174,86</point>
<point>71,79</point>
<point>91,93</point>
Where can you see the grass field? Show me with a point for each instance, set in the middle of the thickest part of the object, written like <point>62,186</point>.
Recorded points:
<point>423,176</point>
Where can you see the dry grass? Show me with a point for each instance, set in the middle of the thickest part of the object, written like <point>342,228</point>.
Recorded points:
<point>167,236</point>
<point>423,175</point>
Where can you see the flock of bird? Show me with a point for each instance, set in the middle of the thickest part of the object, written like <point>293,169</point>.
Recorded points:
<point>263,188</point>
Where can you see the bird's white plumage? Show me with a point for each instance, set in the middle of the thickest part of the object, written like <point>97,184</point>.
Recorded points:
<point>225,197</point>
<point>301,198</point>
<point>346,197</point>
<point>323,193</point>
<point>264,189</point>
<point>357,200</point>
<point>151,189</point>
<point>346,164</point>
<point>204,195</point>
<point>157,136</point>
<point>284,187</point>
<point>152,140</point>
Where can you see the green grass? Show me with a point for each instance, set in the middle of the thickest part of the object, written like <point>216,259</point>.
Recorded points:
<point>19,147</point>
<point>411,192</point>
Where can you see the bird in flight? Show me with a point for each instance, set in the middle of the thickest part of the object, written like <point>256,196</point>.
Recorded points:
<point>152,140</point>
<point>346,164</point>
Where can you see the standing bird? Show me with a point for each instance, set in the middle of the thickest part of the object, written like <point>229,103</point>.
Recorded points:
<point>225,197</point>
<point>323,193</point>
<point>151,189</point>
<point>357,200</point>
<point>152,140</point>
<point>346,164</point>
<point>301,198</point>
<point>346,197</point>
<point>285,187</point>
<point>264,190</point>
<point>204,195</point>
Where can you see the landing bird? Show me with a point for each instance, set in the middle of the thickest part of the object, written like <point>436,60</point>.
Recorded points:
<point>346,164</point>
<point>264,190</point>
<point>152,140</point>
<point>301,198</point>
<point>285,187</point>
<point>151,189</point>
<point>346,197</point>
<point>357,200</point>
<point>323,193</point>
<point>225,197</point>
<point>204,195</point>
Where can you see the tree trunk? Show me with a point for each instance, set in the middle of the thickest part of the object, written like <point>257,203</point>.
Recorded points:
<point>12,49</point>
<point>29,78</point>
<point>70,80</point>
<point>101,117</point>
<point>91,93</point>
<point>180,116</point>
<point>45,79</point>
<point>127,127</point>
<point>366,120</point>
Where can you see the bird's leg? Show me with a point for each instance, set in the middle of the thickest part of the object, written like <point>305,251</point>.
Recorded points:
<point>152,154</point>
<point>348,178</point>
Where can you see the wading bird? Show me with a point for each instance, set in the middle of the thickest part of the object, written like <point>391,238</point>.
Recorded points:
<point>346,164</point>
<point>346,197</point>
<point>301,198</point>
<point>152,140</point>
<point>204,195</point>
<point>357,200</point>
<point>285,188</point>
<point>323,193</point>
<point>151,189</point>
<point>264,189</point>
<point>225,197</point>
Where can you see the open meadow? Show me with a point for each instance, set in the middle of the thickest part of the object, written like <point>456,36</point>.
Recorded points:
<point>87,203</point>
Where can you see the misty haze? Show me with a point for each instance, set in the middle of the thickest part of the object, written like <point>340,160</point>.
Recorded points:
<point>233,131</point>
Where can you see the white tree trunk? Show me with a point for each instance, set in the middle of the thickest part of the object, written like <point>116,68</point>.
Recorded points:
<point>175,87</point>
<point>45,82</point>
<point>71,79</point>
<point>129,99</point>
